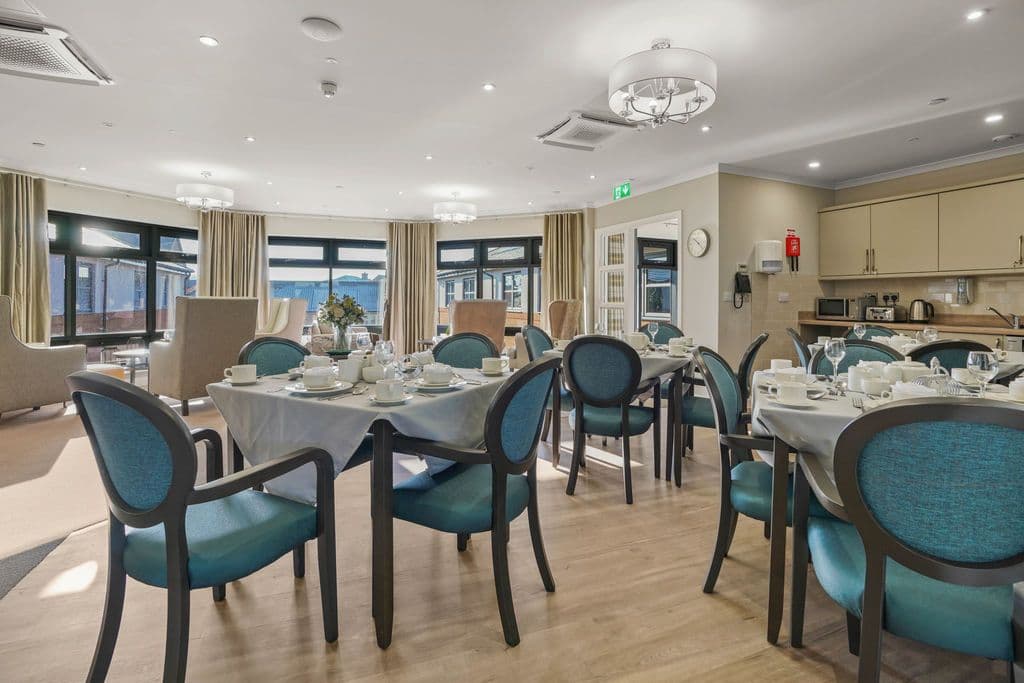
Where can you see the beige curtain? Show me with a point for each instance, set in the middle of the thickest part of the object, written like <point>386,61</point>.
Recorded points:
<point>410,308</point>
<point>561,271</point>
<point>233,257</point>
<point>24,250</point>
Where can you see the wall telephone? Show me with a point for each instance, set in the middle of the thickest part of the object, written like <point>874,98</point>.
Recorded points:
<point>742,287</point>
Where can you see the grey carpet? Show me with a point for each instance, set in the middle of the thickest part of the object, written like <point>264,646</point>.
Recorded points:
<point>16,567</point>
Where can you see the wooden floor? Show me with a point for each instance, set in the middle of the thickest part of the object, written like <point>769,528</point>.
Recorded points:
<point>629,604</point>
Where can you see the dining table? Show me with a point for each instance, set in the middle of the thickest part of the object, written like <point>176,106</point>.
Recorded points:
<point>267,420</point>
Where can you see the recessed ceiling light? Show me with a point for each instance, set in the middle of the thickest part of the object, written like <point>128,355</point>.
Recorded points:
<point>705,129</point>
<point>277,203</point>
<point>937,100</point>
<point>913,139</point>
<point>429,157</point>
<point>172,131</point>
<point>488,87</point>
<point>331,60</point>
<point>556,192</point>
<point>976,14</point>
<point>993,118</point>
<point>82,168</point>
<point>39,144</point>
<point>592,176</point>
<point>249,138</point>
<point>339,187</point>
<point>814,164</point>
<point>209,41</point>
<point>399,193</point>
<point>270,182</point>
<point>385,210</point>
<point>108,124</point>
<point>529,203</point>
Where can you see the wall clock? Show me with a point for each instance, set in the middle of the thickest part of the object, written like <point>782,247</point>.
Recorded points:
<point>697,242</point>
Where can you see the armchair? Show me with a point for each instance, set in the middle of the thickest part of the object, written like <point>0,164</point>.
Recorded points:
<point>287,318</point>
<point>564,318</point>
<point>32,376</point>
<point>209,333</point>
<point>483,316</point>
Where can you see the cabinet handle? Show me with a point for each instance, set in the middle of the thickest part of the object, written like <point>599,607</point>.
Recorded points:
<point>867,261</point>
<point>1020,251</point>
<point>874,266</point>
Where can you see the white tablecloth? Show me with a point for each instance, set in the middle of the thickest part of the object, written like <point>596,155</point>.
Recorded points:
<point>654,364</point>
<point>267,424</point>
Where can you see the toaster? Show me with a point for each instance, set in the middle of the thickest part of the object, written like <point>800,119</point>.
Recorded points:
<point>886,314</point>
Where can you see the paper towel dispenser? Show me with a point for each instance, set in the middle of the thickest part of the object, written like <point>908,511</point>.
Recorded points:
<point>768,256</point>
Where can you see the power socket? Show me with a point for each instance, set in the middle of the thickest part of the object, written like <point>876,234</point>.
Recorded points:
<point>893,297</point>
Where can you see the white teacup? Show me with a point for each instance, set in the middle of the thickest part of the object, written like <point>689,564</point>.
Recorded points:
<point>318,378</point>
<point>350,369</point>
<point>798,375</point>
<point>677,350</point>
<point>792,392</point>
<point>241,374</point>
<point>781,364</point>
<point>685,341</point>
<point>492,366</point>
<point>875,386</point>
<point>858,374</point>
<point>437,374</point>
<point>638,340</point>
<point>389,390</point>
<point>1017,389</point>
<point>892,374</point>
<point>823,340</point>
<point>373,373</point>
<point>560,344</point>
<point>315,362</point>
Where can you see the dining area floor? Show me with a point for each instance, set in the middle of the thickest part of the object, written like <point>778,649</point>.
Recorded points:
<point>628,604</point>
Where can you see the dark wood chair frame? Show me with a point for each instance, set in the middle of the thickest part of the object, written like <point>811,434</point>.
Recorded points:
<point>947,345</point>
<point>662,325</point>
<point>466,335</point>
<point>501,466</point>
<point>865,634</point>
<point>552,415</point>
<point>848,332</point>
<point>170,512</point>
<point>623,401</point>
<point>853,343</point>
<point>803,352</point>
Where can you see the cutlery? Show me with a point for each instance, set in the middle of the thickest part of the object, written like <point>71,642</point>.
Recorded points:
<point>858,402</point>
<point>275,390</point>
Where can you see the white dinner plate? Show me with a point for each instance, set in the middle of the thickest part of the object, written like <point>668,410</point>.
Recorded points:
<point>228,380</point>
<point>454,384</point>
<point>302,390</point>
<point>391,402</point>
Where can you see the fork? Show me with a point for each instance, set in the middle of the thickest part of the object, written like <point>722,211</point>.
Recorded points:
<point>857,402</point>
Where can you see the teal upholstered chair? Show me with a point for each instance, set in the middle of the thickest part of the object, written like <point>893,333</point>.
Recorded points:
<point>489,487</point>
<point>952,353</point>
<point>666,331</point>
<point>537,342</point>
<point>272,355</point>
<point>465,350</point>
<point>803,353</point>
<point>935,493</point>
<point>746,484</point>
<point>167,532</point>
<point>603,374</point>
<point>697,411</point>
<point>856,351</point>
<point>871,331</point>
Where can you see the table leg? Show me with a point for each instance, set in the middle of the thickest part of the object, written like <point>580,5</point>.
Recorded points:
<point>801,502</point>
<point>131,371</point>
<point>383,533</point>
<point>777,561</point>
<point>677,457</point>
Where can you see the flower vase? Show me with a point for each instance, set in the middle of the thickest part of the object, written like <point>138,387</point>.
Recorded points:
<point>341,338</point>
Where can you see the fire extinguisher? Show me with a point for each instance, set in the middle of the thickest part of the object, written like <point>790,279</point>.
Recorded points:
<point>793,249</point>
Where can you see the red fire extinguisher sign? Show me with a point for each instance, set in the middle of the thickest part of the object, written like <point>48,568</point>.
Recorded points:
<point>793,249</point>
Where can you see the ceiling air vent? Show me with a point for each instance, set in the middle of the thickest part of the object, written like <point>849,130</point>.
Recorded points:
<point>584,132</point>
<point>45,52</point>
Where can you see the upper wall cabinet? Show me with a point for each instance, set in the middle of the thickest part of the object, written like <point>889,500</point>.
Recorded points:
<point>982,228</point>
<point>844,241</point>
<point>905,236</point>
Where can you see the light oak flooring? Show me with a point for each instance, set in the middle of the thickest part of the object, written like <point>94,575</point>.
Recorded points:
<point>629,604</point>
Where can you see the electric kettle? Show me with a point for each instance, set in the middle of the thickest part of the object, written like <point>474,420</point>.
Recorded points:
<point>920,311</point>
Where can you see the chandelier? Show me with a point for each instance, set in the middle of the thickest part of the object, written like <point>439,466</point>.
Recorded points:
<point>204,196</point>
<point>662,84</point>
<point>454,211</point>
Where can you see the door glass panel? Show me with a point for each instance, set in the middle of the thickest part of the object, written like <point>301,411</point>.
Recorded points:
<point>614,287</point>
<point>614,254</point>
<point>613,318</point>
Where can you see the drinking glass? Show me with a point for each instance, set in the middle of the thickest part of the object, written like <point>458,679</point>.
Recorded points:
<point>601,329</point>
<point>363,341</point>
<point>652,329</point>
<point>929,334</point>
<point>859,330</point>
<point>984,366</point>
<point>835,351</point>
<point>383,355</point>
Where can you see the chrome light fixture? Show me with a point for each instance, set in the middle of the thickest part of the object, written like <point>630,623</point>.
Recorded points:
<point>662,84</point>
<point>454,211</point>
<point>204,196</point>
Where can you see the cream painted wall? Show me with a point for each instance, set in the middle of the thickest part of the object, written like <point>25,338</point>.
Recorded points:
<point>753,209</point>
<point>698,201</point>
<point>95,201</point>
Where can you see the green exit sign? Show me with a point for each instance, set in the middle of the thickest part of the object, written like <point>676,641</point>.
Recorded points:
<point>622,191</point>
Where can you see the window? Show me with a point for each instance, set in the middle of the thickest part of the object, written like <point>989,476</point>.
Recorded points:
<point>468,288</point>
<point>656,280</point>
<point>512,290</point>
<point>173,279</point>
<point>57,276</point>
<point>84,292</point>
<point>449,292</point>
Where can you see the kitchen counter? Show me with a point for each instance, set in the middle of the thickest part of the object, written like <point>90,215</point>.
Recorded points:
<point>807,318</point>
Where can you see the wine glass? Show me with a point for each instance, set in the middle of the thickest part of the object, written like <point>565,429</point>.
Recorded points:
<point>363,341</point>
<point>859,330</point>
<point>601,328</point>
<point>984,366</point>
<point>652,329</point>
<point>835,351</point>
<point>383,355</point>
<point>929,334</point>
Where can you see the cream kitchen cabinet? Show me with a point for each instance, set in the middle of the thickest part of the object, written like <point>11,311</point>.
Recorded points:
<point>844,241</point>
<point>905,236</point>
<point>982,228</point>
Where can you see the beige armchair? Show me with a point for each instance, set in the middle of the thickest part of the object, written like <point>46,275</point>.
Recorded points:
<point>33,376</point>
<point>208,334</point>
<point>484,316</point>
<point>564,318</point>
<point>287,318</point>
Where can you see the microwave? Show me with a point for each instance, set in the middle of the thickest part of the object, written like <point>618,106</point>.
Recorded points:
<point>836,308</point>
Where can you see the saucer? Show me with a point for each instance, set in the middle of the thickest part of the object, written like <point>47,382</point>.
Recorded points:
<point>231,382</point>
<point>500,373</point>
<point>391,402</point>
<point>455,383</point>
<point>303,390</point>
<point>805,403</point>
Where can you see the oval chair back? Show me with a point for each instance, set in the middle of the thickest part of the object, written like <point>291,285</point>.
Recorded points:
<point>936,485</point>
<point>871,331</point>
<point>666,331</point>
<point>465,350</point>
<point>856,351</point>
<point>723,388</point>
<point>272,355</point>
<point>143,449</point>
<point>745,371</point>
<point>952,353</point>
<point>601,371</point>
<point>537,341</point>
<point>803,353</point>
<point>515,416</point>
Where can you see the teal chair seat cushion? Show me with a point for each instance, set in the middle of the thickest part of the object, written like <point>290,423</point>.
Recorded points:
<point>566,398</point>
<point>751,492</point>
<point>608,421</point>
<point>457,499</point>
<point>966,619</point>
<point>228,539</point>
<point>698,411</point>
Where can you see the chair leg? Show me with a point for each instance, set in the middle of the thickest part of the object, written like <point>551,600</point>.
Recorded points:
<point>237,461</point>
<point>184,408</point>
<point>870,657</point>
<point>547,424</point>
<point>556,437</point>
<point>627,470</point>
<point>462,542</point>
<point>853,633</point>
<point>726,516</point>
<point>657,432</point>
<point>328,565</point>
<point>299,561</point>
<point>579,443</point>
<point>677,464</point>
<point>689,438</point>
<point>176,649</point>
<point>112,609</point>
<point>538,540</point>
<point>503,586</point>
<point>732,532</point>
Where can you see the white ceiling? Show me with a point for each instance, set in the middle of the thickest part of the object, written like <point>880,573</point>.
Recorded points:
<point>795,77</point>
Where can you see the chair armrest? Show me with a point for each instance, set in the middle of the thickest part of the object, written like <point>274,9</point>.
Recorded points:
<point>439,449</point>
<point>248,478</point>
<point>214,451</point>
<point>748,443</point>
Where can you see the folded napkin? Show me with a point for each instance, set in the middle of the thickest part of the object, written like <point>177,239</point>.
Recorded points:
<point>912,389</point>
<point>422,357</point>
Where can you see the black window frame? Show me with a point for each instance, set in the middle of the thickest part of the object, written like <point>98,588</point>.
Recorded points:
<point>671,248</point>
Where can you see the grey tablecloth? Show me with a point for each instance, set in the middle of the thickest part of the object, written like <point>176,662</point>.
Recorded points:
<point>268,424</point>
<point>653,364</point>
